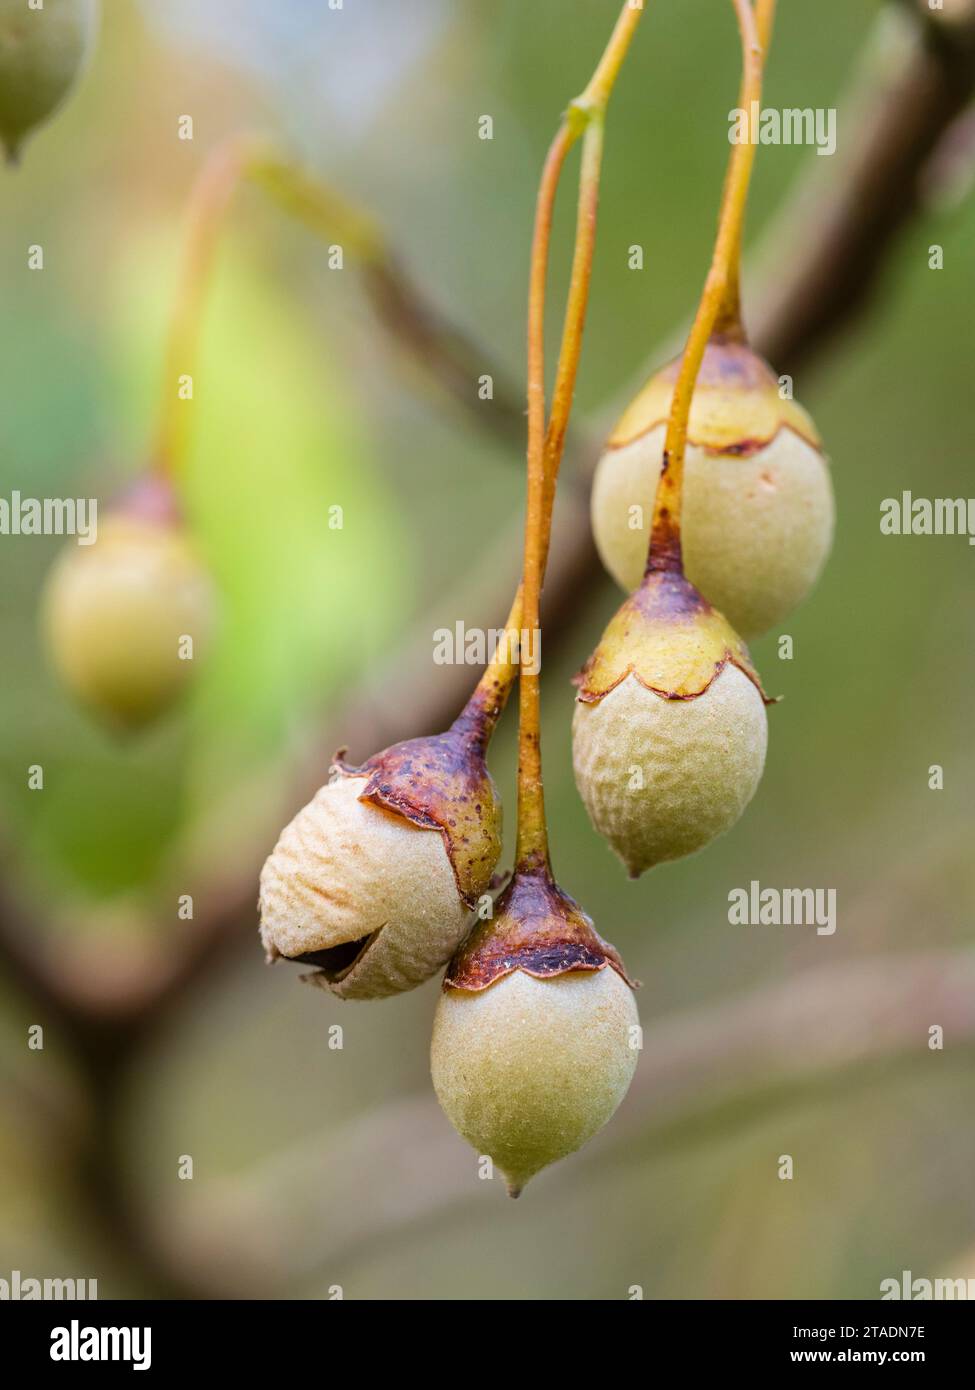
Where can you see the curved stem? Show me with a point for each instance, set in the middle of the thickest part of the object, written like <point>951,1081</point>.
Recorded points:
<point>254,159</point>
<point>447,355</point>
<point>499,676</point>
<point>209,202</point>
<point>729,321</point>
<point>665,547</point>
<point>482,711</point>
<point>599,89</point>
<point>584,115</point>
<point>576,305</point>
<point>764,20</point>
<point>532,841</point>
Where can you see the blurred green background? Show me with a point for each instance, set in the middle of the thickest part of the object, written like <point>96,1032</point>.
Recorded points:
<point>306,1157</point>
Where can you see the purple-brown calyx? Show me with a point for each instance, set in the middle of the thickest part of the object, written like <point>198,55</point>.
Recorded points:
<point>443,783</point>
<point>536,928</point>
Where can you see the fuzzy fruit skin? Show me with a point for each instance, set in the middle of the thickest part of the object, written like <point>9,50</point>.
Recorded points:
<point>758,512</point>
<point>527,1070</point>
<point>701,761</point>
<point>347,871</point>
<point>756,531</point>
<point>42,52</point>
<point>114,613</point>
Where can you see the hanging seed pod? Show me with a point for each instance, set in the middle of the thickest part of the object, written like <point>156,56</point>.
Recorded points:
<point>42,53</point>
<point>669,733</point>
<point>536,1033</point>
<point>126,618</point>
<point>757,519</point>
<point>373,882</point>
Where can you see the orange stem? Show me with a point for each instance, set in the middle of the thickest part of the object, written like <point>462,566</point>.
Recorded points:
<point>209,202</point>
<point>306,198</point>
<point>729,322</point>
<point>545,445</point>
<point>665,546</point>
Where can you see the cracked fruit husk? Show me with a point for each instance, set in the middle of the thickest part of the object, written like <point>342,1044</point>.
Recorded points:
<point>373,881</point>
<point>757,519</point>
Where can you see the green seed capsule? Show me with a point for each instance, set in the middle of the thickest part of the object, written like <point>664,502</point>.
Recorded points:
<point>42,52</point>
<point>118,615</point>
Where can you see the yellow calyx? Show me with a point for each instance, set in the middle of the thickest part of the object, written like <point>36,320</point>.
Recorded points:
<point>737,407</point>
<point>670,639</point>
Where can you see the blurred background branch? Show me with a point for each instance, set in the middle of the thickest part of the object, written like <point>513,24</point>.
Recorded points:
<point>774,1048</point>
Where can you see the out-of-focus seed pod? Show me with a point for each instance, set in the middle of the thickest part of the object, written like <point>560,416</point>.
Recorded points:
<point>127,618</point>
<point>42,53</point>
<point>757,518</point>
<point>536,1035</point>
<point>374,880</point>
<point>670,732</point>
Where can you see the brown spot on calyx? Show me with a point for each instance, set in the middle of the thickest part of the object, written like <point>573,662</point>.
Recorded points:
<point>536,928</point>
<point>441,783</point>
<point>668,636</point>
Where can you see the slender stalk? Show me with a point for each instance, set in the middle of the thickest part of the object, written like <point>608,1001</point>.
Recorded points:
<point>589,107</point>
<point>576,305</point>
<point>209,202</point>
<point>447,356</point>
<point>665,548</point>
<point>764,20</point>
<point>600,86</point>
<point>501,672</point>
<point>532,841</point>
<point>585,116</point>
<point>252,159</point>
<point>729,321</point>
<point>486,704</point>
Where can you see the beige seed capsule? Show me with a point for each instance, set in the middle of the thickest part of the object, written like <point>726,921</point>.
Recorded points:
<point>536,1035</point>
<point>662,778</point>
<point>374,880</point>
<point>758,511</point>
<point>362,894</point>
<point>670,732</point>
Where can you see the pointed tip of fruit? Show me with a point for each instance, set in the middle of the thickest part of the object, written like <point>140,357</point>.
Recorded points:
<point>515,1189</point>
<point>635,868</point>
<point>11,154</point>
